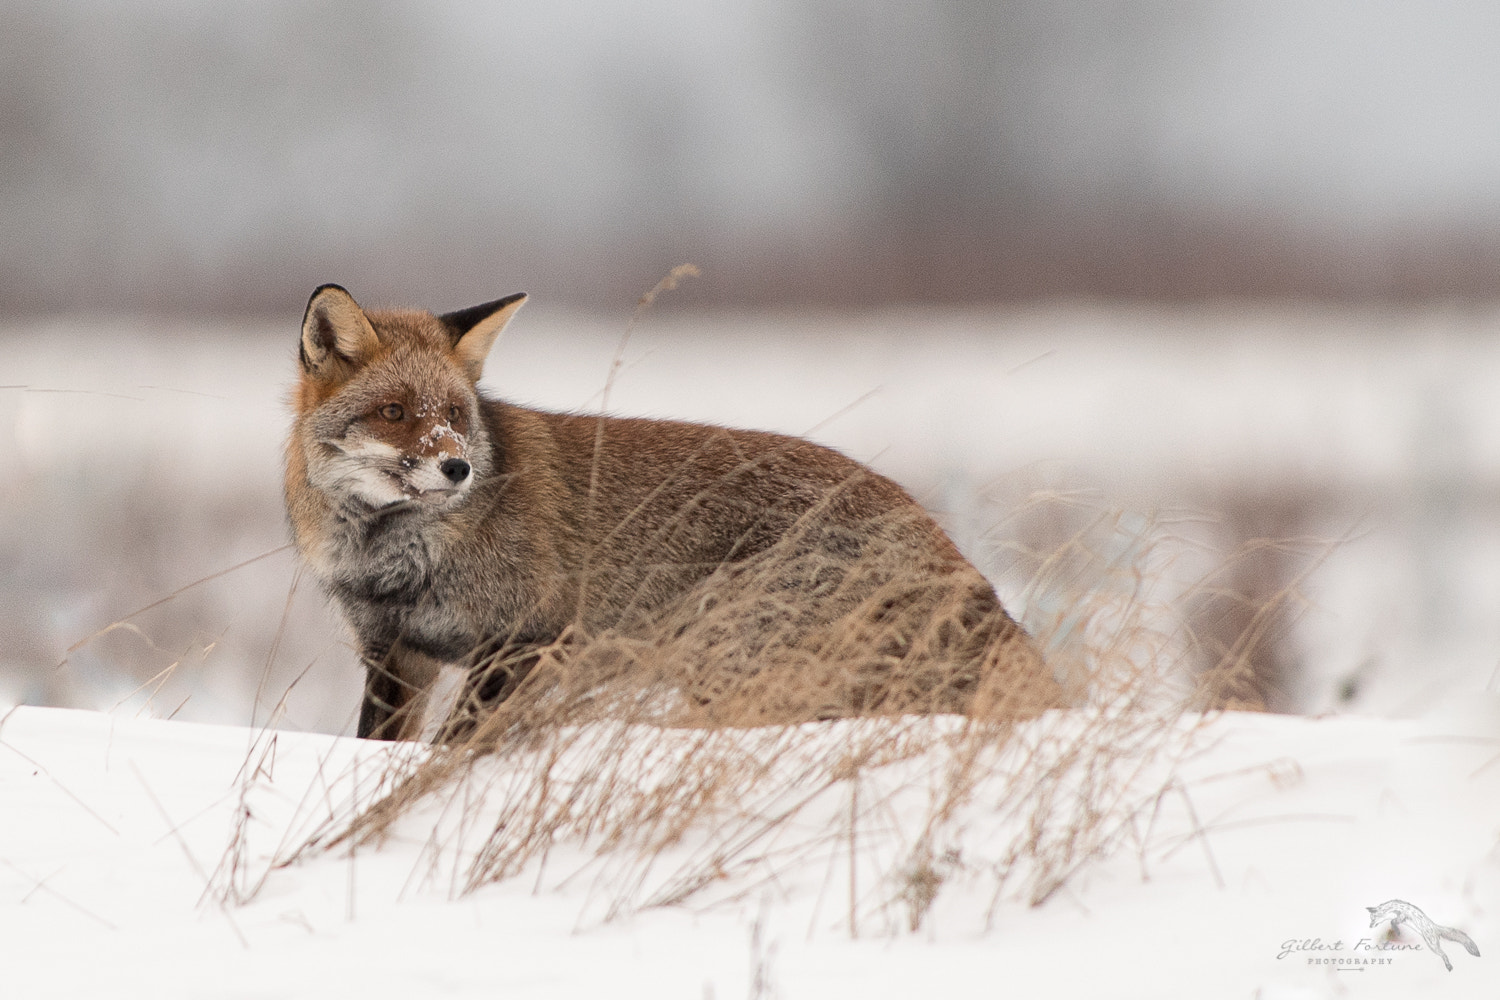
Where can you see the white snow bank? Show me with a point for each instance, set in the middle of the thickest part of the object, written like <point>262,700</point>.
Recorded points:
<point>113,828</point>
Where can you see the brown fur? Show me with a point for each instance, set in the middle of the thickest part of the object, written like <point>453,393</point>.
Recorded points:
<point>765,577</point>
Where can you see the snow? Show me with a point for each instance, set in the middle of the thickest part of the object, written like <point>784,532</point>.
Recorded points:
<point>114,828</point>
<point>140,458</point>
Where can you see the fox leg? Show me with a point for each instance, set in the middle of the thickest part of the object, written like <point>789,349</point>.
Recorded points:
<point>488,683</point>
<point>1435,942</point>
<point>397,681</point>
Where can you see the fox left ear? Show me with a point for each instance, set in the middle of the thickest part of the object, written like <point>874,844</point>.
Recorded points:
<point>474,330</point>
<point>336,337</point>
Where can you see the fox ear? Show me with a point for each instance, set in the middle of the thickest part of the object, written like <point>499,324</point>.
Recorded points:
<point>336,336</point>
<point>474,330</point>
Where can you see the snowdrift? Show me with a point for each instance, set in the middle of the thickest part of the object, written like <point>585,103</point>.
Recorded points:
<point>167,859</point>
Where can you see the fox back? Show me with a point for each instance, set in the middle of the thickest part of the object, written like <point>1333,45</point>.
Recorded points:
<point>761,577</point>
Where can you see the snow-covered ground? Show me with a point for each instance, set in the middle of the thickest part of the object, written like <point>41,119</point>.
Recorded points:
<point>137,460</point>
<point>1279,833</point>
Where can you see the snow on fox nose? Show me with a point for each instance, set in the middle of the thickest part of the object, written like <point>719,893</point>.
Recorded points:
<point>438,439</point>
<point>439,448</point>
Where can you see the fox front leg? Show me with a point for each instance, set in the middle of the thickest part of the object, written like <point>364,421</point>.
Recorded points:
<point>487,683</point>
<point>397,681</point>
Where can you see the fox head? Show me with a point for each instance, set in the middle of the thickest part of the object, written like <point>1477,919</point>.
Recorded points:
<point>387,405</point>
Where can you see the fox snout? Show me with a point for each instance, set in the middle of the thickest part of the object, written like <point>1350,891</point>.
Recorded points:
<point>444,447</point>
<point>456,469</point>
<point>434,478</point>
<point>431,469</point>
<point>426,479</point>
<point>436,467</point>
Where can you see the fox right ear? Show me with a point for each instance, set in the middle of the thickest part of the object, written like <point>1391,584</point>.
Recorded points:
<point>474,330</point>
<point>336,336</point>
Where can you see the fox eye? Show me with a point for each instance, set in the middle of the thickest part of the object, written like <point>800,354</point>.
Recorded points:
<point>453,412</point>
<point>392,411</point>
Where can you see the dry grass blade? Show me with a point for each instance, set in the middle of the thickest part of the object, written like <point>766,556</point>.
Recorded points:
<point>126,621</point>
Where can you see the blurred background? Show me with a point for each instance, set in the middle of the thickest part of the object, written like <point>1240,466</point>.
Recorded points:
<point>1228,270</point>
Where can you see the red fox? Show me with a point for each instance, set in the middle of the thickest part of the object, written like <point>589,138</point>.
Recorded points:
<point>451,528</point>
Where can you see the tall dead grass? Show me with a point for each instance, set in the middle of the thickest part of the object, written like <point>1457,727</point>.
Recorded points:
<point>601,767</point>
<point>804,710</point>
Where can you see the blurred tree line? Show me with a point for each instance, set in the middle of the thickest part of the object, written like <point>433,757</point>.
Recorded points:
<point>227,157</point>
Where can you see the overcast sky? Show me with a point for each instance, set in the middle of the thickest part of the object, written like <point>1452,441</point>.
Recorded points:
<point>217,156</point>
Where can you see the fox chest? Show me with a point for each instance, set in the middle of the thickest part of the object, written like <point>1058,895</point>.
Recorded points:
<point>420,618</point>
<point>399,586</point>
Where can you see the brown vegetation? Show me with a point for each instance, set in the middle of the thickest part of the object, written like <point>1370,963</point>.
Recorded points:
<point>665,804</point>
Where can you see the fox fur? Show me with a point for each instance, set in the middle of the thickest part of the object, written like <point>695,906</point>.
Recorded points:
<point>451,528</point>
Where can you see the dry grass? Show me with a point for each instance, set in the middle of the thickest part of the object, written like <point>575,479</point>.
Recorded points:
<point>599,767</point>
<point>802,711</point>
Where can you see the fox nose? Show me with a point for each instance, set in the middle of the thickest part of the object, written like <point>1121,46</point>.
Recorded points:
<point>456,469</point>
